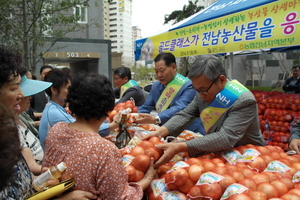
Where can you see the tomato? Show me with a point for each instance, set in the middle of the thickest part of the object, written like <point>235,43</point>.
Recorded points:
<point>288,118</point>
<point>137,151</point>
<point>141,162</point>
<point>269,190</point>
<point>145,144</point>
<point>195,171</point>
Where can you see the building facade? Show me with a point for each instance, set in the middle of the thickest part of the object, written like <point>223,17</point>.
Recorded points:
<point>136,35</point>
<point>120,14</point>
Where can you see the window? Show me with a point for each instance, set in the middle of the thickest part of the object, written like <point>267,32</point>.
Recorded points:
<point>253,57</point>
<point>81,12</point>
<point>272,63</point>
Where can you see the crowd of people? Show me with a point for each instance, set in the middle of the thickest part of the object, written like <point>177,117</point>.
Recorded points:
<point>38,132</point>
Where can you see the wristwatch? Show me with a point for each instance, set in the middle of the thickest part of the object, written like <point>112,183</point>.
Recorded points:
<point>157,120</point>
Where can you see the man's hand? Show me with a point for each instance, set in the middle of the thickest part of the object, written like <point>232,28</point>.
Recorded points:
<point>145,118</point>
<point>170,150</point>
<point>295,145</point>
<point>161,132</point>
<point>77,194</point>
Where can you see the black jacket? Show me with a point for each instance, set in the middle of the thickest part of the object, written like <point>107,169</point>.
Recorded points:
<point>287,87</point>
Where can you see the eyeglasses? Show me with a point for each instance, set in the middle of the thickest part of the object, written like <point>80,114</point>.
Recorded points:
<point>117,78</point>
<point>205,92</point>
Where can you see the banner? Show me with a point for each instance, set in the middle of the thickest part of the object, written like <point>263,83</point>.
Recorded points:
<point>272,25</point>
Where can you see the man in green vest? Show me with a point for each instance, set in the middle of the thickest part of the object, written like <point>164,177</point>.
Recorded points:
<point>169,95</point>
<point>127,88</point>
<point>227,109</point>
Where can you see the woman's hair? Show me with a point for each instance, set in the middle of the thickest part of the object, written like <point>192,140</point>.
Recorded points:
<point>90,96</point>
<point>123,72</point>
<point>208,65</point>
<point>23,71</point>
<point>58,78</point>
<point>169,58</point>
<point>45,67</point>
<point>10,148</point>
<point>10,60</point>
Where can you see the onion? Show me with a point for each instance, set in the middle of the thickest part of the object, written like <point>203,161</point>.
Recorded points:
<point>137,151</point>
<point>141,162</point>
<point>239,197</point>
<point>145,144</point>
<point>269,190</point>
<point>288,182</point>
<point>208,165</point>
<point>130,170</point>
<point>163,169</point>
<point>138,175</point>
<point>228,180</point>
<point>195,171</point>
<point>179,176</point>
<point>152,153</point>
<point>257,195</point>
<point>192,161</point>
<point>280,187</point>
<point>249,183</point>
<point>187,186</point>
<point>259,164</point>
<point>260,178</point>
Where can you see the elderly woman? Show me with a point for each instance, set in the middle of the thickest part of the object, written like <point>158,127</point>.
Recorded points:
<point>18,187</point>
<point>31,146</point>
<point>94,162</point>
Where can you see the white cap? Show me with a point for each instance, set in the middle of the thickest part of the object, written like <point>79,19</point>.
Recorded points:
<point>62,166</point>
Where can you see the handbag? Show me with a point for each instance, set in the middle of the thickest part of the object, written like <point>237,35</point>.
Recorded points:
<point>53,190</point>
